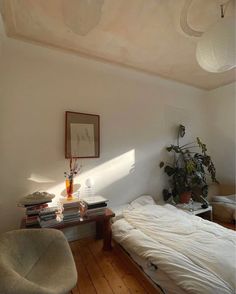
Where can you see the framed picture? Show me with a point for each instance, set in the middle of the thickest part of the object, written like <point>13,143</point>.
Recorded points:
<point>82,138</point>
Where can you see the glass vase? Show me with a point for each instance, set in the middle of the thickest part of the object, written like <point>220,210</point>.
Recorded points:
<point>69,188</point>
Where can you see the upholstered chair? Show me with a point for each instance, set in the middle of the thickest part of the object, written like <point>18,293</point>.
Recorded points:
<point>36,261</point>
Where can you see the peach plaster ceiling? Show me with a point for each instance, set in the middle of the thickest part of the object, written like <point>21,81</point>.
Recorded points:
<point>142,34</point>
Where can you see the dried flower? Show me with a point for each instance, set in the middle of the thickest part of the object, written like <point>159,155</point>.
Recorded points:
<point>75,168</point>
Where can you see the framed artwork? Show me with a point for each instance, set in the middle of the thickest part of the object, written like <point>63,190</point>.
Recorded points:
<point>82,135</point>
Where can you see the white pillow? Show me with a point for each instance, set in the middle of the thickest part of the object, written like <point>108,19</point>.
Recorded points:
<point>142,200</point>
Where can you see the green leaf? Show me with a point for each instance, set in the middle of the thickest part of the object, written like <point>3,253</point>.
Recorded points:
<point>169,170</point>
<point>201,145</point>
<point>170,148</point>
<point>161,164</point>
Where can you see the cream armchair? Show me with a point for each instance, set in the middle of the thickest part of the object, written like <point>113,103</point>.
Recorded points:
<point>36,261</point>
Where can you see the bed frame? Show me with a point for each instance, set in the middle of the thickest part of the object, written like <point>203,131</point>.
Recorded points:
<point>150,286</point>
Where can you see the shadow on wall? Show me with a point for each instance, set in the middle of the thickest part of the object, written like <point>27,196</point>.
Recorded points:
<point>119,179</point>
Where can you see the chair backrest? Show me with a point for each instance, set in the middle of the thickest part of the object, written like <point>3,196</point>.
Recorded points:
<point>21,249</point>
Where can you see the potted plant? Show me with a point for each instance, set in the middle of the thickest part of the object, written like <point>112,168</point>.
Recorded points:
<point>189,170</point>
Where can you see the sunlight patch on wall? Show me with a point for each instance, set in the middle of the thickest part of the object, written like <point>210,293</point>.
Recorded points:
<point>103,175</point>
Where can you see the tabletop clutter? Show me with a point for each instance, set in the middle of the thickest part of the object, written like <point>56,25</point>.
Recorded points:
<point>41,212</point>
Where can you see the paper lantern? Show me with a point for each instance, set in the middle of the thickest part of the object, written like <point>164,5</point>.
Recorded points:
<point>216,49</point>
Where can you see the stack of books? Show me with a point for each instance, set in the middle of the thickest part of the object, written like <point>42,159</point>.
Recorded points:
<point>34,203</point>
<point>48,217</point>
<point>96,205</point>
<point>70,210</point>
<point>32,214</point>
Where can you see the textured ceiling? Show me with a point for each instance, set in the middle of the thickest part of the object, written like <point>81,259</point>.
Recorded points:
<point>142,34</point>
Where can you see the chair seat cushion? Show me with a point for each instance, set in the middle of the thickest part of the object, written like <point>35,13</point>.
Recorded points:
<point>36,261</point>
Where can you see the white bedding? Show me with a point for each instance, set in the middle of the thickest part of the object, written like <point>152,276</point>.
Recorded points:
<point>159,277</point>
<point>198,255</point>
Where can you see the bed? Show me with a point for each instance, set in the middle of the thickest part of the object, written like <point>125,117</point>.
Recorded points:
<point>181,253</point>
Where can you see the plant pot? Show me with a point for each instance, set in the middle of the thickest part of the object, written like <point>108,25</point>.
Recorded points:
<point>185,197</point>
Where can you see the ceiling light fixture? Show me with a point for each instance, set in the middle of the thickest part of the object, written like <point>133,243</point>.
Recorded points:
<point>216,48</point>
<point>82,16</point>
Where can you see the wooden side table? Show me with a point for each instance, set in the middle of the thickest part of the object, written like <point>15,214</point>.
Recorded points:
<point>103,226</point>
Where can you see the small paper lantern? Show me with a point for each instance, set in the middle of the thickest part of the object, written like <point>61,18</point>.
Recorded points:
<point>216,49</point>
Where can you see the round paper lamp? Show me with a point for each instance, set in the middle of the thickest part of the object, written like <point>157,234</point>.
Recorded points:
<point>216,49</point>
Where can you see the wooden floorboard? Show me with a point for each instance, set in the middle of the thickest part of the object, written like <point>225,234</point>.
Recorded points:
<point>104,262</point>
<point>136,271</point>
<point>84,284</point>
<point>231,226</point>
<point>106,272</point>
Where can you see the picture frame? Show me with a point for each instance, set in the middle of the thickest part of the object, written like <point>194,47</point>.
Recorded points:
<point>82,135</point>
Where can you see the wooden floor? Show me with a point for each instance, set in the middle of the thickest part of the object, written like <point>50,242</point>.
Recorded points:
<point>230,226</point>
<point>106,272</point>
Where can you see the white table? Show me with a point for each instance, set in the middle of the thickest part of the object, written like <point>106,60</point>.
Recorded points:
<point>205,213</point>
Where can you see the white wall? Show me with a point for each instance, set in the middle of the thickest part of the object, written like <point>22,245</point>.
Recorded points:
<point>138,115</point>
<point>221,111</point>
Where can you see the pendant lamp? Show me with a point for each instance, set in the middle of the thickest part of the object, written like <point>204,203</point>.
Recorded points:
<point>216,49</point>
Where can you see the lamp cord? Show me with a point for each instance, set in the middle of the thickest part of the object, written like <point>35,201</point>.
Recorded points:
<point>223,8</point>
<point>222,13</point>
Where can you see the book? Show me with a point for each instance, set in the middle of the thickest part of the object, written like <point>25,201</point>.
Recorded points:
<point>48,217</point>
<point>75,217</point>
<point>91,200</point>
<point>34,204</point>
<point>32,221</point>
<point>94,210</point>
<point>35,209</point>
<point>69,203</point>
<point>70,212</point>
<point>33,212</point>
<point>49,223</point>
<point>71,218</point>
<point>97,205</point>
<point>48,210</point>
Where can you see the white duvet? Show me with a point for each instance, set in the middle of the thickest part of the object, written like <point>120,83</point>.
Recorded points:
<point>198,255</point>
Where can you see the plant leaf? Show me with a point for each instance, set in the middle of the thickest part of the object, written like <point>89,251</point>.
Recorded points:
<point>161,164</point>
<point>169,170</point>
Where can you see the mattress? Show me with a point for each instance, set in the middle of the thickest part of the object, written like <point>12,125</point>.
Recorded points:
<point>174,271</point>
